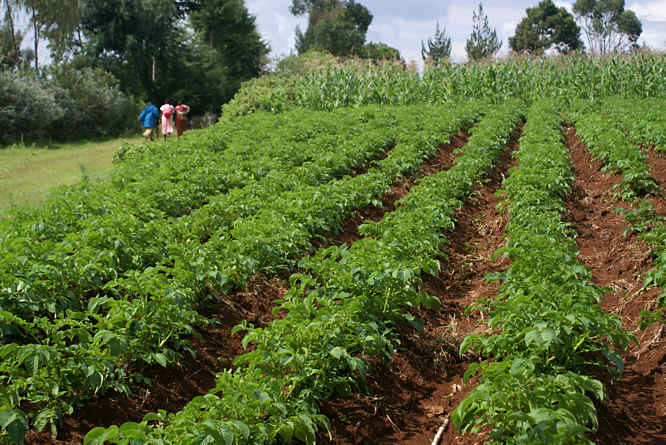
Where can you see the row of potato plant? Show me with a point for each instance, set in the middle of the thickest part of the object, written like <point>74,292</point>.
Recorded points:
<point>176,177</point>
<point>643,120</point>
<point>640,122</point>
<point>64,358</point>
<point>610,144</point>
<point>87,360</point>
<point>651,228</point>
<point>546,331</point>
<point>339,312</point>
<point>124,234</point>
<point>51,276</point>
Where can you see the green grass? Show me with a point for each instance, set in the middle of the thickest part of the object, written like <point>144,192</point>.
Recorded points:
<point>28,172</point>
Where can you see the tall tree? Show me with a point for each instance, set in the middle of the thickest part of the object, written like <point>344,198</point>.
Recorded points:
<point>135,39</point>
<point>608,26</point>
<point>546,26</point>
<point>60,21</point>
<point>482,42</point>
<point>335,26</point>
<point>439,48</point>
<point>229,28</point>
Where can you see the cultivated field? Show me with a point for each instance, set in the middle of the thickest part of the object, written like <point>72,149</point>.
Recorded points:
<point>349,272</point>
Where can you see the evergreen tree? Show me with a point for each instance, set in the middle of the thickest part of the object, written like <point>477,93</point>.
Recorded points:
<point>482,42</point>
<point>608,26</point>
<point>546,26</point>
<point>439,48</point>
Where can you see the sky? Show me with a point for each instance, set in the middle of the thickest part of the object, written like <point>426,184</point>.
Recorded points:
<point>403,24</point>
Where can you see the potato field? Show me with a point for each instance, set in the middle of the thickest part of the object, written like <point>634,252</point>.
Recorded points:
<point>478,252</point>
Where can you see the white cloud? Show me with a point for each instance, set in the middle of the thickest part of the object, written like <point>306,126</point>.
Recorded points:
<point>654,39</point>
<point>509,28</point>
<point>458,53</point>
<point>654,11</point>
<point>276,24</point>
<point>567,5</point>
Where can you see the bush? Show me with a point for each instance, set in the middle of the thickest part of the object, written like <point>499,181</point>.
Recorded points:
<point>272,92</point>
<point>28,106</point>
<point>92,103</point>
<point>65,103</point>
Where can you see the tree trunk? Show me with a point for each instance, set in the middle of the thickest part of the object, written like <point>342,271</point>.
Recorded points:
<point>36,30</point>
<point>10,21</point>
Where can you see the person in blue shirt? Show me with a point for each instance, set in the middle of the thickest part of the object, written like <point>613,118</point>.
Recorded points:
<point>148,119</point>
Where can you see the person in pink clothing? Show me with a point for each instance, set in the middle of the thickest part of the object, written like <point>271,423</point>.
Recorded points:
<point>167,111</point>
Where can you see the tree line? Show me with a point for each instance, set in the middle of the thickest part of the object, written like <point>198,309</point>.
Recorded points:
<point>197,49</point>
<point>606,24</point>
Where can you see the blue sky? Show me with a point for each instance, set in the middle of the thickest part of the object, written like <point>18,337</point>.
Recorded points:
<point>403,24</point>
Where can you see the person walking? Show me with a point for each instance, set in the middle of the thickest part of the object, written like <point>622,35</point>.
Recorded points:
<point>168,111</point>
<point>182,111</point>
<point>148,119</point>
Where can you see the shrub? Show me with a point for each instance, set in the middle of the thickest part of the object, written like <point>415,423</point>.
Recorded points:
<point>273,92</point>
<point>65,103</point>
<point>92,103</point>
<point>28,106</point>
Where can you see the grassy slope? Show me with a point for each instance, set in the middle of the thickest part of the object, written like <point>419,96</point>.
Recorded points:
<point>27,173</point>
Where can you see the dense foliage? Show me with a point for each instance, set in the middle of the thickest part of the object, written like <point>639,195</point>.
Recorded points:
<point>546,26</point>
<point>338,27</point>
<point>171,229</point>
<point>70,104</point>
<point>340,309</point>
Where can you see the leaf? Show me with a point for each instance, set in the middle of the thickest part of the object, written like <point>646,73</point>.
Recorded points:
<point>262,396</point>
<point>161,359</point>
<point>99,435</point>
<point>471,372</point>
<point>45,417</point>
<point>616,359</point>
<point>338,352</point>
<point>242,428</point>
<point>415,322</point>
<point>286,432</point>
<point>540,337</point>
<point>519,366</point>
<point>15,424</point>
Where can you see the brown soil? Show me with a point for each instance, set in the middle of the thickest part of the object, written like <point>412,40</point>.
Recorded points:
<point>657,162</point>
<point>412,395</point>
<point>174,386</point>
<point>635,412</point>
